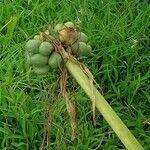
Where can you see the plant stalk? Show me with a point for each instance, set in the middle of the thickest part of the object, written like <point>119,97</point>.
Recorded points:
<point>102,105</point>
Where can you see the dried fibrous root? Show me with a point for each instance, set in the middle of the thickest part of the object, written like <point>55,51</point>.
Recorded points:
<point>69,105</point>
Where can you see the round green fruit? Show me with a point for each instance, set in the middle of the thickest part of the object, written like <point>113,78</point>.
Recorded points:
<point>46,48</point>
<point>82,37</point>
<point>69,24</point>
<point>54,60</point>
<point>37,37</point>
<point>89,48</point>
<point>39,60</point>
<point>41,70</point>
<point>75,48</point>
<point>84,49</point>
<point>32,46</point>
<point>58,27</point>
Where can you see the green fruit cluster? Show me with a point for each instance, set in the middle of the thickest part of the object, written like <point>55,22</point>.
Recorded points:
<point>81,49</point>
<point>41,55</point>
<point>81,46</point>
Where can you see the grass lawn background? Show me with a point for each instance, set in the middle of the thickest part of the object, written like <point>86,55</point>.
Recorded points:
<point>119,32</point>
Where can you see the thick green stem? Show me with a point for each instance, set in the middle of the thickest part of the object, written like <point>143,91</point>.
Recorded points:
<point>108,113</point>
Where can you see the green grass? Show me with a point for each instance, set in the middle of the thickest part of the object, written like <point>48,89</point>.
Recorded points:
<point>119,32</point>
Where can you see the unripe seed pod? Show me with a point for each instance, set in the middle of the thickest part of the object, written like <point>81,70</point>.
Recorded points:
<point>69,24</point>
<point>46,48</point>
<point>75,48</point>
<point>58,27</point>
<point>83,49</point>
<point>39,60</point>
<point>82,37</point>
<point>41,70</point>
<point>54,60</point>
<point>37,37</point>
<point>33,46</point>
<point>89,48</point>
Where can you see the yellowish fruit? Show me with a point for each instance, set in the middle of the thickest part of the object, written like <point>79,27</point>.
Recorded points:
<point>38,60</point>
<point>63,36</point>
<point>46,32</point>
<point>46,48</point>
<point>69,24</point>
<point>58,27</point>
<point>54,60</point>
<point>37,37</point>
<point>41,70</point>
